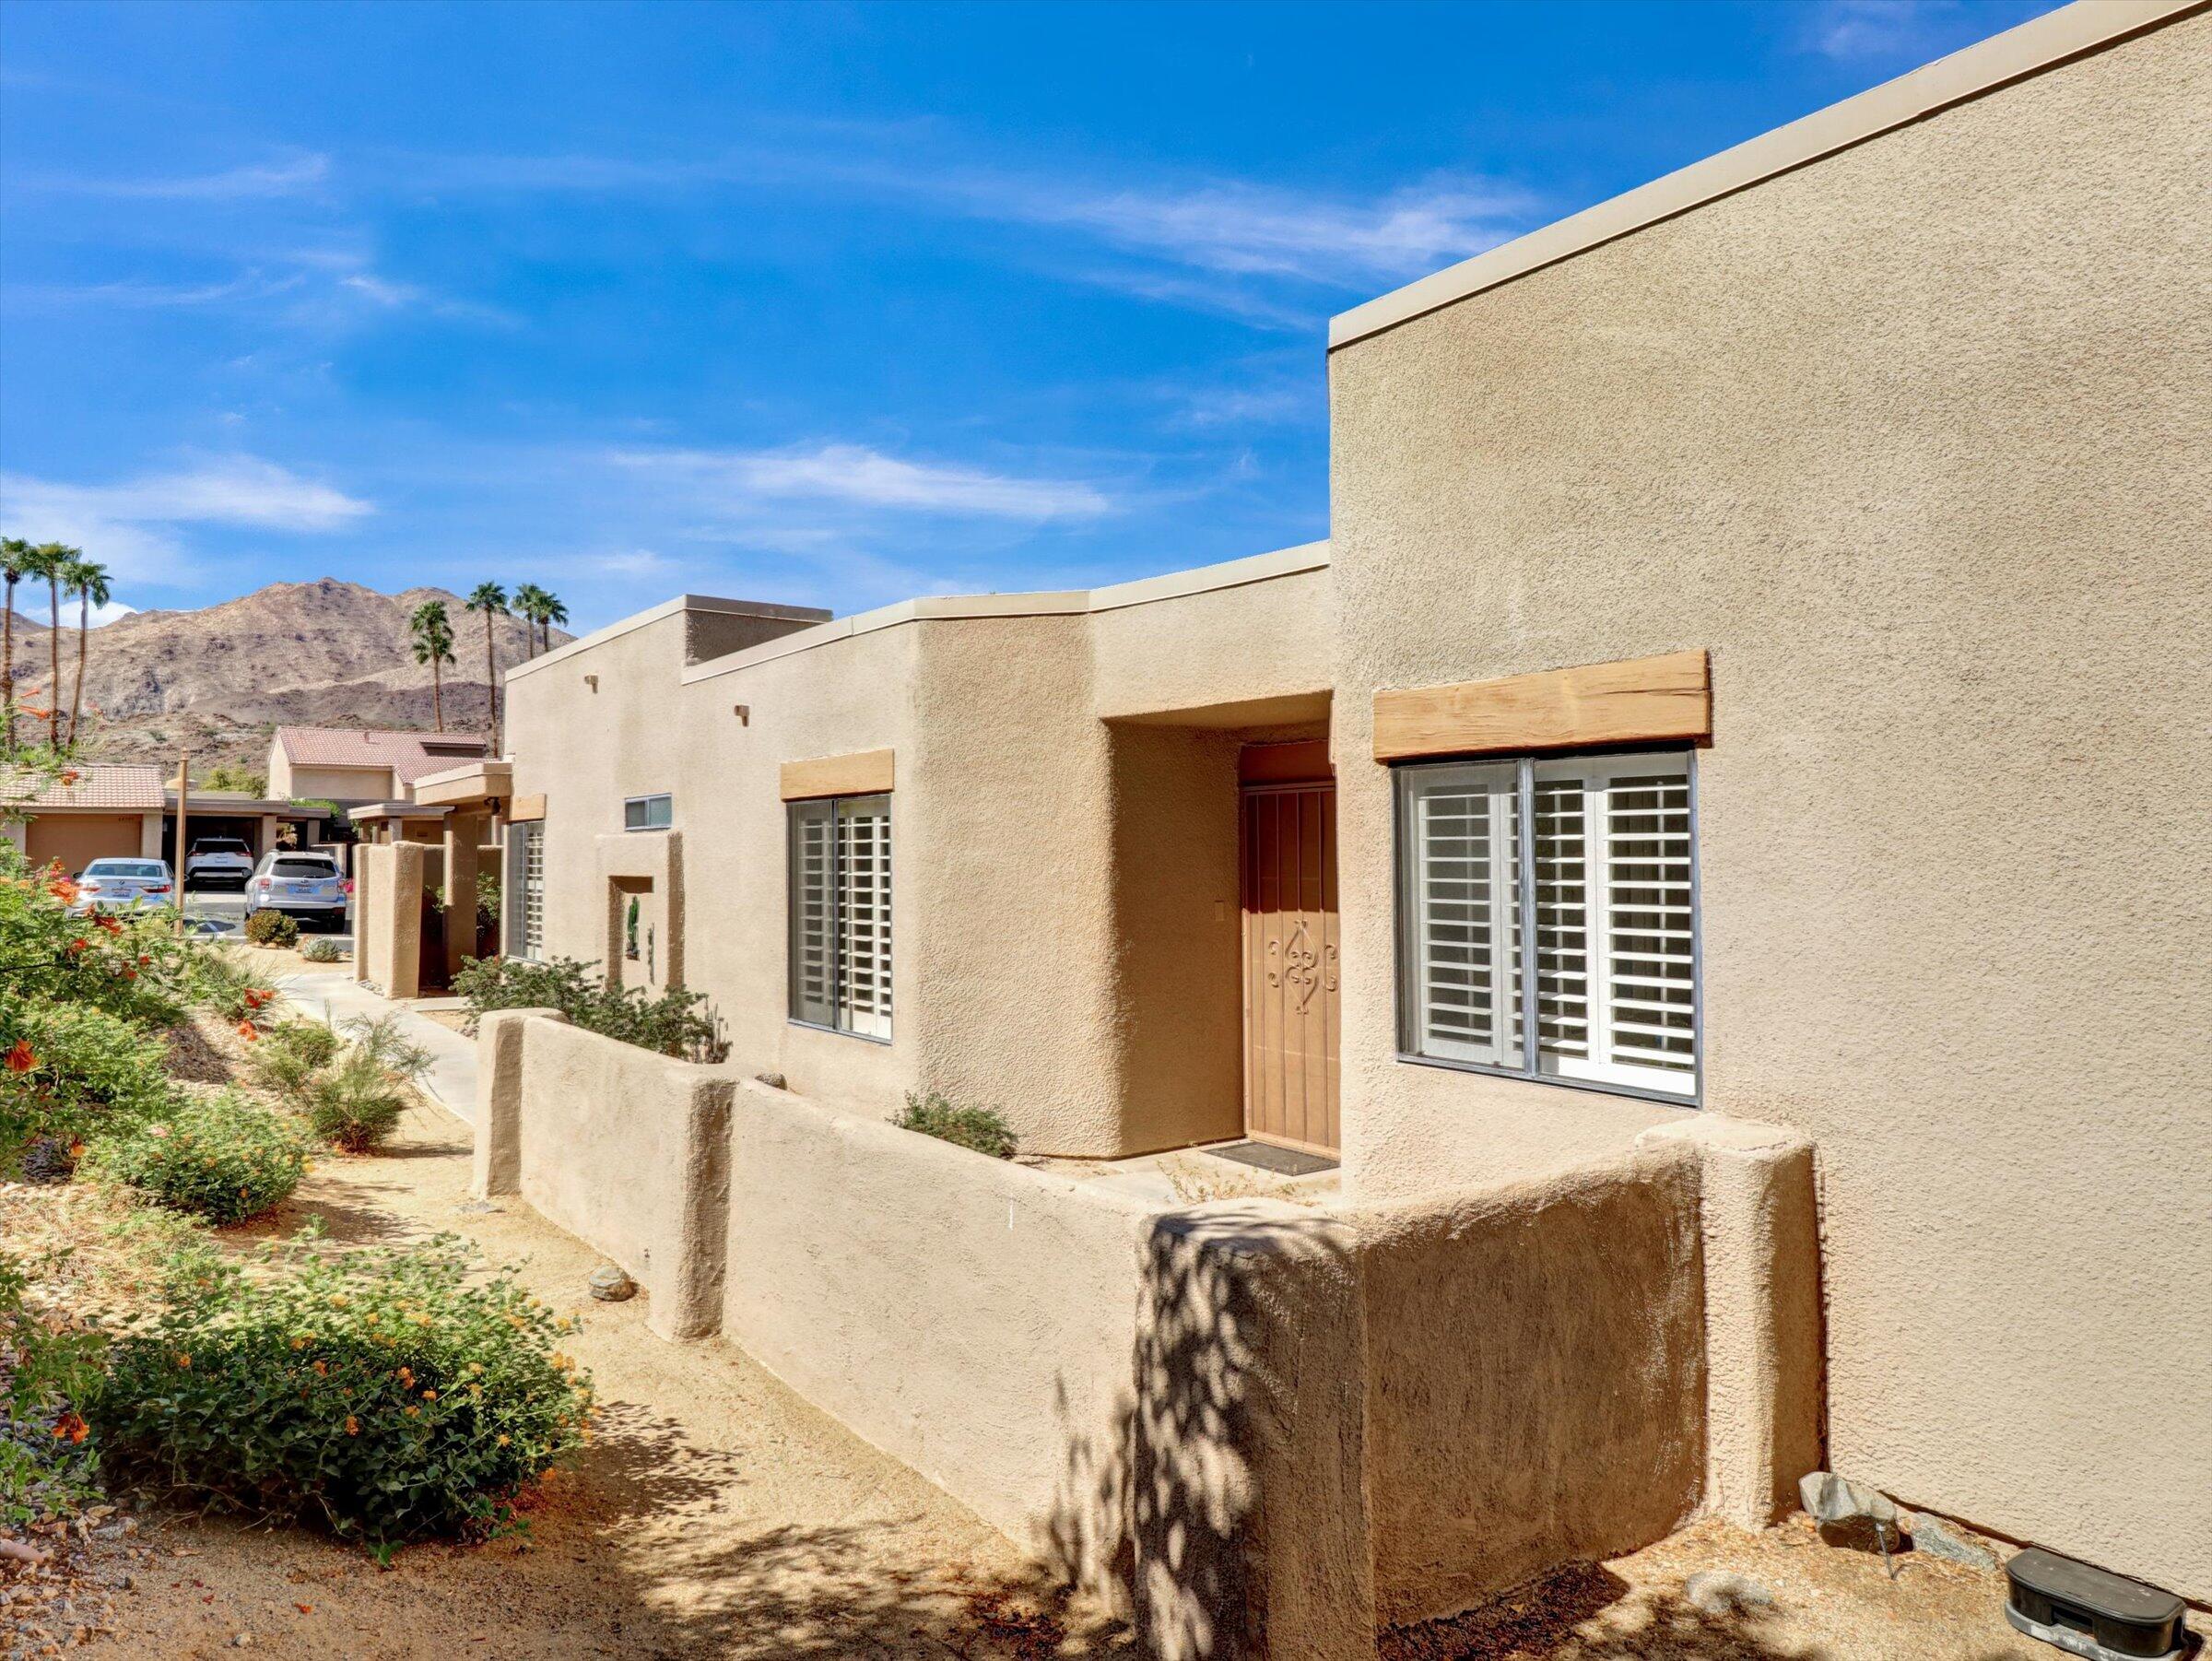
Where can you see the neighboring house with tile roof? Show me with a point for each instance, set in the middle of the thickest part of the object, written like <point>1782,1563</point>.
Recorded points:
<point>353,765</point>
<point>94,810</point>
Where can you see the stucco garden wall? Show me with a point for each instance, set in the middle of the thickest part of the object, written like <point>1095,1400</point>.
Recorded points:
<point>972,1317</point>
<point>1270,1428</point>
<point>1895,436</point>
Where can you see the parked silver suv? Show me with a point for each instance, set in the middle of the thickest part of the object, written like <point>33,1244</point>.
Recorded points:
<point>308,887</point>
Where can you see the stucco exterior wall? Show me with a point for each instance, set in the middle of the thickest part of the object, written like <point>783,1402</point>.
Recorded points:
<point>329,783</point>
<point>974,1317</point>
<point>1064,910</point>
<point>626,1149</point>
<point>1898,437</point>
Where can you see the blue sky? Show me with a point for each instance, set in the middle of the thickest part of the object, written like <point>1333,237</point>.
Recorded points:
<point>825,303</point>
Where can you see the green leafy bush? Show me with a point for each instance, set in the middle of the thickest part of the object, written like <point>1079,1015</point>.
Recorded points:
<point>353,1105</point>
<point>675,1023</point>
<point>321,950</point>
<point>982,1128</point>
<point>67,1070</point>
<point>292,1052</point>
<point>46,1469</point>
<point>391,1395</point>
<point>266,927</point>
<point>219,1157</point>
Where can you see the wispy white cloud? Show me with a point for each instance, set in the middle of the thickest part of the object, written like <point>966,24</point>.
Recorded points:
<point>133,526</point>
<point>1856,29</point>
<point>292,176</point>
<point>856,475</point>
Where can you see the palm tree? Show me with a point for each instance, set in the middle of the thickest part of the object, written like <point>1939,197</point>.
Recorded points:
<point>433,633</point>
<point>492,600</point>
<point>49,559</point>
<point>87,580</point>
<point>550,613</point>
<point>529,603</point>
<point>15,565</point>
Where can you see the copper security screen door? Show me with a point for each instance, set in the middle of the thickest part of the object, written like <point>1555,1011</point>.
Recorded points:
<point>1290,962</point>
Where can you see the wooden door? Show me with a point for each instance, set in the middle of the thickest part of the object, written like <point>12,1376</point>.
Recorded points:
<point>1290,960</point>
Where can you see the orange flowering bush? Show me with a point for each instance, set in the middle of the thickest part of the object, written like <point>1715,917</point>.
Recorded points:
<point>391,1395</point>
<point>220,1157</point>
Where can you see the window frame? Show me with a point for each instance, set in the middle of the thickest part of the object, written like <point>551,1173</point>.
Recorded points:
<point>795,814</point>
<point>667,823</point>
<point>1528,770</point>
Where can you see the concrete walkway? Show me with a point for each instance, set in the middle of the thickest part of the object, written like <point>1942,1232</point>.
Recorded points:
<point>332,996</point>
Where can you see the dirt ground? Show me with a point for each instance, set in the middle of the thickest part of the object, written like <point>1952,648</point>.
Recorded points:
<point>717,1514</point>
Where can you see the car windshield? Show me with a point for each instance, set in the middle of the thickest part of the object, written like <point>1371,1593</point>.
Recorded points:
<point>126,867</point>
<point>303,867</point>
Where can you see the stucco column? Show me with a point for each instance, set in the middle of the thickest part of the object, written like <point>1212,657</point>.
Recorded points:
<point>360,911</point>
<point>150,836</point>
<point>497,1167</point>
<point>1761,1248</point>
<point>462,832</point>
<point>268,833</point>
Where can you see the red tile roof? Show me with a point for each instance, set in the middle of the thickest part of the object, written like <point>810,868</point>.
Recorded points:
<point>123,785</point>
<point>404,753</point>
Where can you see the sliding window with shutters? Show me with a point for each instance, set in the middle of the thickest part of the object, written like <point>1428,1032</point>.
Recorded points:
<point>523,895</point>
<point>1594,859</point>
<point>840,914</point>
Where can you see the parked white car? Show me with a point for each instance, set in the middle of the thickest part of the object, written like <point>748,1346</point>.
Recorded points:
<point>112,884</point>
<point>308,887</point>
<point>216,859</point>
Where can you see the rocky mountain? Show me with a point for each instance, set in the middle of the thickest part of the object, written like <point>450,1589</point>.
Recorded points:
<point>215,680</point>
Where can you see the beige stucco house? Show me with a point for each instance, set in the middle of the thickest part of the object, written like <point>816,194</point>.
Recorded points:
<point>354,765</point>
<point>1779,595</point>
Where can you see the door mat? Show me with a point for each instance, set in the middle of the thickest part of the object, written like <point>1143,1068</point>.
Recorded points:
<point>1282,1162</point>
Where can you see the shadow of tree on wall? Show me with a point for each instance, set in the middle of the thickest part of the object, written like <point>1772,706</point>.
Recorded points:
<point>1162,1512</point>
<point>1542,1621</point>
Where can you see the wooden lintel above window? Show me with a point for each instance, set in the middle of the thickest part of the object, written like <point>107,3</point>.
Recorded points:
<point>523,809</point>
<point>863,773</point>
<point>1642,701</point>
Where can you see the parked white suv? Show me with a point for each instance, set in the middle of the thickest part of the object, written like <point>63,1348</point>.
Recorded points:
<point>307,885</point>
<point>218,859</point>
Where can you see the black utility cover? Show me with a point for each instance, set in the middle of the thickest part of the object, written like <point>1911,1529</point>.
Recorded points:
<point>2127,1618</point>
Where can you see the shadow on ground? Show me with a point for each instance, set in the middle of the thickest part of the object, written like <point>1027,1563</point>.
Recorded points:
<point>1541,1622</point>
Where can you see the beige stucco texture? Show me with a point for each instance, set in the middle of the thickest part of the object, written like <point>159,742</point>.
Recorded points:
<point>1270,1428</point>
<point>1063,828</point>
<point>1910,440</point>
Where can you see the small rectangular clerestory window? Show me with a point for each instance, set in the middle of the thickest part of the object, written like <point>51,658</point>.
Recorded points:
<point>647,813</point>
<point>840,914</point>
<point>1593,858</point>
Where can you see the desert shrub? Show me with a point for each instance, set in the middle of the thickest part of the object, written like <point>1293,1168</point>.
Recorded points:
<point>220,1157</point>
<point>982,1128</point>
<point>45,1369</point>
<point>222,980</point>
<point>387,1044</point>
<point>290,1054</point>
<point>267,928</point>
<point>391,1394</point>
<point>67,1070</point>
<point>127,965</point>
<point>675,1023</point>
<point>322,951</point>
<point>353,1105</point>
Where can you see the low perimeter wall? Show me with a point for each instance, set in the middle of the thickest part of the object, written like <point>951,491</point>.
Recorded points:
<point>1266,1430</point>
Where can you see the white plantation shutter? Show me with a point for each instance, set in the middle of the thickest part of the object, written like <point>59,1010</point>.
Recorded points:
<point>533,890</point>
<point>1463,947</point>
<point>811,906</point>
<point>1609,888</point>
<point>864,922</point>
<point>841,913</point>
